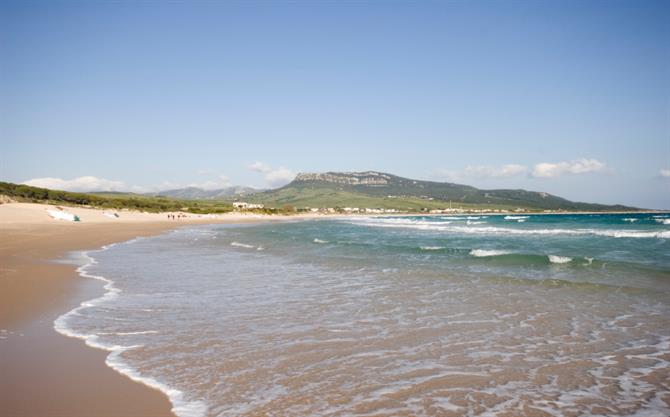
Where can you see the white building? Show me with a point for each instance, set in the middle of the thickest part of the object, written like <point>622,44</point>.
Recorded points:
<point>246,206</point>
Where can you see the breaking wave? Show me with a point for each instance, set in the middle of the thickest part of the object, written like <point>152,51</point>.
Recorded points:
<point>493,230</point>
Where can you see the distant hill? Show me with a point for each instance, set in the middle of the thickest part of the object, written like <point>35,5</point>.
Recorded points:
<point>195,193</point>
<point>378,189</point>
<point>110,200</point>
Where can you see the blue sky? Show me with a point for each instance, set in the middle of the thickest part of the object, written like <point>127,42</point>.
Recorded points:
<point>572,98</point>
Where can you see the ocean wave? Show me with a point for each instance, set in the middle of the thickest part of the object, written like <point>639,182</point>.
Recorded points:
<point>555,259</point>
<point>630,219</point>
<point>663,221</point>
<point>474,217</point>
<point>399,221</point>
<point>242,245</point>
<point>431,247</point>
<point>473,223</point>
<point>482,253</point>
<point>319,241</point>
<point>180,406</point>
<point>493,230</point>
<point>516,217</point>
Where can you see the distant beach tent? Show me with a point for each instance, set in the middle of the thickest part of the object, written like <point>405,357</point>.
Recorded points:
<point>63,215</point>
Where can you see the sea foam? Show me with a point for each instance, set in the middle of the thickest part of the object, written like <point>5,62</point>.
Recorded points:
<point>481,253</point>
<point>180,406</point>
<point>493,230</point>
<point>242,245</point>
<point>555,259</point>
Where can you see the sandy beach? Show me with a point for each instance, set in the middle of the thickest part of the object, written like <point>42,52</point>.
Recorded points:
<point>43,373</point>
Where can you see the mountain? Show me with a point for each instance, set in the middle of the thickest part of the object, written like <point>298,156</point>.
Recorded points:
<point>378,189</point>
<point>195,193</point>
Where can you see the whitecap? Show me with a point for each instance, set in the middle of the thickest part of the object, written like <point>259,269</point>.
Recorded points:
<point>492,230</point>
<point>481,253</point>
<point>555,259</point>
<point>319,241</point>
<point>431,247</point>
<point>241,245</point>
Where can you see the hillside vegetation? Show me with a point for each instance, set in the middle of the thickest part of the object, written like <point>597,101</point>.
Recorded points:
<point>117,201</point>
<point>337,190</point>
<point>374,189</point>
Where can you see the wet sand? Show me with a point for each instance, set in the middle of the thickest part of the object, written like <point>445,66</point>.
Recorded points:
<point>43,373</point>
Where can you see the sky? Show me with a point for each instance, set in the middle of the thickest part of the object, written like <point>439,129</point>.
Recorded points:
<point>570,98</point>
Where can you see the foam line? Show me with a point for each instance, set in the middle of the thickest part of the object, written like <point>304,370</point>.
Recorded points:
<point>180,406</point>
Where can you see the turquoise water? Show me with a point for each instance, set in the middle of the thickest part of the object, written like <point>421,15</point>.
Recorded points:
<point>423,315</point>
<point>630,250</point>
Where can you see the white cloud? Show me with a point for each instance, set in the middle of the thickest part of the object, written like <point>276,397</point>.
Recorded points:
<point>80,184</point>
<point>260,167</point>
<point>221,181</point>
<point>579,166</point>
<point>279,177</point>
<point>90,183</point>
<point>484,172</point>
<point>665,173</point>
<point>273,177</point>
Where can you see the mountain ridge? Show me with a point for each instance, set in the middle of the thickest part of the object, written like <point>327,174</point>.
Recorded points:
<point>196,193</point>
<point>309,188</point>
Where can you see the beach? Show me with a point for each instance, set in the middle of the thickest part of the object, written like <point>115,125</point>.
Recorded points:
<point>523,315</point>
<point>43,372</point>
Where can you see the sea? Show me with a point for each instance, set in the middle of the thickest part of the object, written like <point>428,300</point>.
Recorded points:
<point>473,315</point>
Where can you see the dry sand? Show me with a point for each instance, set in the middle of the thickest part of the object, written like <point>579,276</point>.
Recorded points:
<point>43,373</point>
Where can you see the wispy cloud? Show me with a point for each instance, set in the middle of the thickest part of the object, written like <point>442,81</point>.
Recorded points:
<point>221,181</point>
<point>541,170</point>
<point>484,172</point>
<point>665,173</point>
<point>557,169</point>
<point>505,171</point>
<point>260,167</point>
<point>273,177</point>
<point>80,184</point>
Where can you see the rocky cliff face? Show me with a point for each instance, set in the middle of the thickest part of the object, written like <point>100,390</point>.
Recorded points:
<point>349,178</point>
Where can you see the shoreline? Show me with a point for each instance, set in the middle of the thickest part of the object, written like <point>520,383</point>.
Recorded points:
<point>63,373</point>
<point>179,406</point>
<point>42,371</point>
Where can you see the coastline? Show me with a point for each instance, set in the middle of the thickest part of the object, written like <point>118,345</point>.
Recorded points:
<point>43,372</point>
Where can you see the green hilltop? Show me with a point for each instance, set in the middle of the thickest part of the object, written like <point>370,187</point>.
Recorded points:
<point>372,189</point>
<point>336,190</point>
<point>111,200</point>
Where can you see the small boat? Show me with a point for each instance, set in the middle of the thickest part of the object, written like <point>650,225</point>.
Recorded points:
<point>63,215</point>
